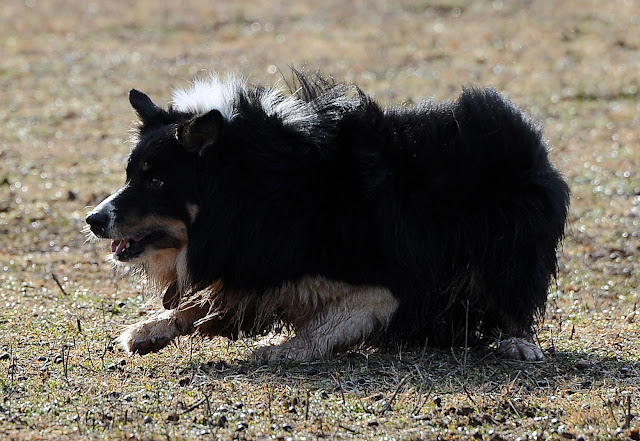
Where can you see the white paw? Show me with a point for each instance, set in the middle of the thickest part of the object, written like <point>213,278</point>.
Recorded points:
<point>150,335</point>
<point>291,350</point>
<point>520,349</point>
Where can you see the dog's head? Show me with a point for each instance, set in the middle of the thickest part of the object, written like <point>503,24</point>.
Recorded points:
<point>148,219</point>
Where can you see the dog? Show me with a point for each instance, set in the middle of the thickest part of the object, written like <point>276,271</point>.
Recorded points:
<point>253,209</point>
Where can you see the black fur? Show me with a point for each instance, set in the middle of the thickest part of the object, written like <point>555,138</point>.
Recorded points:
<point>454,207</point>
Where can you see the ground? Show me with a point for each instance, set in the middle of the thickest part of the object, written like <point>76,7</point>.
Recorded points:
<point>65,74</point>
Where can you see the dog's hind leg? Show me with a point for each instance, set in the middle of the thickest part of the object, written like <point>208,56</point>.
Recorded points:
<point>516,328</point>
<point>518,304</point>
<point>340,323</point>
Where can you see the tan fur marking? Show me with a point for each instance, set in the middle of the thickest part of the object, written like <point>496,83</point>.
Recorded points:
<point>161,266</point>
<point>182,272</point>
<point>305,297</point>
<point>193,211</point>
<point>177,228</point>
<point>293,303</point>
<point>344,316</point>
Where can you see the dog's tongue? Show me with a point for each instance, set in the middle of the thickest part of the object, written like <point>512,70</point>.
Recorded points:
<point>171,298</point>
<point>117,246</point>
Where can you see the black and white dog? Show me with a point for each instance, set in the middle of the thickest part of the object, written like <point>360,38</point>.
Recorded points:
<point>319,210</point>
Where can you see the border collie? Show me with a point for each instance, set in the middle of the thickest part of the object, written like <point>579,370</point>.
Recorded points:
<point>251,209</point>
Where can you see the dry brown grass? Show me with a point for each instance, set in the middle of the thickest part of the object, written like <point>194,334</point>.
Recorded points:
<point>65,73</point>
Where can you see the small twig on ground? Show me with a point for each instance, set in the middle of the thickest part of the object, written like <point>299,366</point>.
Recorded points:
<point>195,405</point>
<point>209,414</point>
<point>628,415</point>
<point>513,407</point>
<point>466,337</point>
<point>348,429</point>
<point>104,352</point>
<point>306,408</point>
<point>65,360</point>
<point>609,406</point>
<point>55,278</point>
<point>389,402</point>
<point>466,391</point>
<point>269,404</point>
<point>420,403</point>
<point>337,378</point>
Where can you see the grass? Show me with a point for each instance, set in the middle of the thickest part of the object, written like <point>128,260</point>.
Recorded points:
<point>64,77</point>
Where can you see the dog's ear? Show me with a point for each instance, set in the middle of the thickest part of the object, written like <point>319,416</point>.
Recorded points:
<point>143,106</point>
<point>201,132</point>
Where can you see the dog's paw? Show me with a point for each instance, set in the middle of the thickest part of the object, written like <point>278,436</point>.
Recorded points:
<point>520,349</point>
<point>291,350</point>
<point>269,354</point>
<point>150,335</point>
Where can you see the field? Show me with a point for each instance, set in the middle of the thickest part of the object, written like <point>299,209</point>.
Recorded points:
<point>65,74</point>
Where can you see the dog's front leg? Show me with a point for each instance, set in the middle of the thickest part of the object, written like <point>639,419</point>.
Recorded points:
<point>160,329</point>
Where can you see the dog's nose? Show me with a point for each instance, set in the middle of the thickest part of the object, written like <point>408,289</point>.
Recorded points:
<point>98,221</point>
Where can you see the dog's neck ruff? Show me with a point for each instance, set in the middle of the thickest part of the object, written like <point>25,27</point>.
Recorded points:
<point>224,95</point>
<point>208,94</point>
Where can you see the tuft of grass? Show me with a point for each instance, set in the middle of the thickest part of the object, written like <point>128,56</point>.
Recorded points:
<point>67,69</point>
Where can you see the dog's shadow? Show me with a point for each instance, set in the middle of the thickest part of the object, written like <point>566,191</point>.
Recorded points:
<point>475,373</point>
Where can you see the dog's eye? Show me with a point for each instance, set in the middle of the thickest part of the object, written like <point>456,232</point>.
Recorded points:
<point>156,183</point>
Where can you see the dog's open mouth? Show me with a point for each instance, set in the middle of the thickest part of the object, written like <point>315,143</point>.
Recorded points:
<point>127,249</point>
